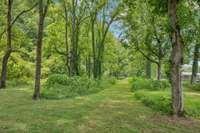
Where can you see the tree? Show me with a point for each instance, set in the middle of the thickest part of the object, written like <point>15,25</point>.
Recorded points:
<point>9,48</point>
<point>176,59</point>
<point>42,14</point>
<point>195,64</point>
<point>197,45</point>
<point>102,17</point>
<point>147,32</point>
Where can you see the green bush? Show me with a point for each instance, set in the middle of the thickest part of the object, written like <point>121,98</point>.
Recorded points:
<point>19,82</point>
<point>156,101</point>
<point>60,86</point>
<point>191,87</point>
<point>148,84</point>
<point>161,101</point>
<point>186,84</point>
<point>195,87</point>
<point>112,80</point>
<point>108,80</point>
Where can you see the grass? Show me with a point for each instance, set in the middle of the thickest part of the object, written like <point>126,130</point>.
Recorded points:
<point>113,110</point>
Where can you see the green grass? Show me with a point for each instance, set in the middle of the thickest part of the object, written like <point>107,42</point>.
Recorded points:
<point>113,110</point>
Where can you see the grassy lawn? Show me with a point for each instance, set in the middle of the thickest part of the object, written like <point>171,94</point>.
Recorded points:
<point>113,110</point>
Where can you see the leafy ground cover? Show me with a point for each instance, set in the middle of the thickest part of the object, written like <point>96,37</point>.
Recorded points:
<point>161,101</point>
<point>60,86</point>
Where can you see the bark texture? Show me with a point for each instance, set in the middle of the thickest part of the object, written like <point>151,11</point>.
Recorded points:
<point>176,59</point>
<point>195,64</point>
<point>148,69</point>
<point>159,68</point>
<point>66,38</point>
<point>73,41</point>
<point>9,45</point>
<point>42,14</point>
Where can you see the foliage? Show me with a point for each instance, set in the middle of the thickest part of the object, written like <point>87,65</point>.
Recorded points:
<point>17,82</point>
<point>195,87</point>
<point>148,84</point>
<point>161,101</point>
<point>107,80</point>
<point>21,63</point>
<point>191,87</point>
<point>157,102</point>
<point>147,31</point>
<point>60,86</point>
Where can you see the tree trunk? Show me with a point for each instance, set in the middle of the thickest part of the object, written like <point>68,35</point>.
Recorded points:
<point>195,64</point>
<point>99,61</point>
<point>159,71</point>
<point>148,69</point>
<point>66,40</point>
<point>94,49</point>
<point>4,70</point>
<point>42,14</point>
<point>99,69</point>
<point>77,52</point>
<point>176,59</point>
<point>73,42</point>
<point>9,46</point>
<point>88,66</point>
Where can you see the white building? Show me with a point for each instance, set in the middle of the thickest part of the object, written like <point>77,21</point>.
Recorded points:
<point>187,72</point>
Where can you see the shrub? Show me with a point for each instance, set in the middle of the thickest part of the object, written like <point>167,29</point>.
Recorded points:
<point>19,82</point>
<point>112,80</point>
<point>161,101</point>
<point>60,86</point>
<point>156,100</point>
<point>186,84</point>
<point>195,87</point>
<point>148,84</point>
<point>106,81</point>
<point>191,87</point>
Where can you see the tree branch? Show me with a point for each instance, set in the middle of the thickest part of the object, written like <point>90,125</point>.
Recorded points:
<point>17,17</point>
<point>46,8</point>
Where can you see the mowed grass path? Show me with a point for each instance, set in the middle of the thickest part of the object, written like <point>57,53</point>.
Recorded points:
<point>114,110</point>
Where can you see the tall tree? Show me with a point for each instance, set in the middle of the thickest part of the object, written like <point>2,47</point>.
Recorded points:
<point>147,32</point>
<point>9,45</point>
<point>65,53</point>
<point>78,10</point>
<point>197,45</point>
<point>66,17</point>
<point>10,49</point>
<point>176,59</point>
<point>102,17</point>
<point>42,14</point>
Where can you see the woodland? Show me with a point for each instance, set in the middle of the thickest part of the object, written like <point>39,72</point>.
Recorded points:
<point>99,66</point>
